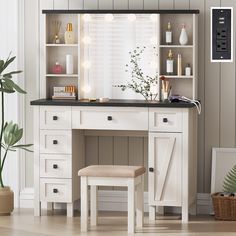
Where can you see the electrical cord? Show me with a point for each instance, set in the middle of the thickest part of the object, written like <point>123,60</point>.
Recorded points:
<point>195,102</point>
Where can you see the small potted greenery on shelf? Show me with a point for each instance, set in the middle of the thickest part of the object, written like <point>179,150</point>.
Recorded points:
<point>10,134</point>
<point>224,203</point>
<point>145,85</point>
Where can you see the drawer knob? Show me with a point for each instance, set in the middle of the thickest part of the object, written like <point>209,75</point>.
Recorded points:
<point>151,169</point>
<point>165,120</point>
<point>55,142</point>
<point>55,166</point>
<point>109,118</point>
<point>55,117</point>
<point>55,190</point>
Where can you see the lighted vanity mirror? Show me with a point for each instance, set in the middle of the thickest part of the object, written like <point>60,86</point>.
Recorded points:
<point>106,42</point>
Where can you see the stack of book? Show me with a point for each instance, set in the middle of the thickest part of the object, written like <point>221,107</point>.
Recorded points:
<point>67,92</point>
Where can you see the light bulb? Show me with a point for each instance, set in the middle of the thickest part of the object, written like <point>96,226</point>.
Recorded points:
<point>131,17</point>
<point>153,64</point>
<point>87,88</point>
<point>153,17</point>
<point>86,40</point>
<point>86,64</point>
<point>87,17</point>
<point>109,17</point>
<point>153,40</point>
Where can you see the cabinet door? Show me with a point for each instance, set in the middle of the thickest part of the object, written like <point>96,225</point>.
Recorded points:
<point>165,169</point>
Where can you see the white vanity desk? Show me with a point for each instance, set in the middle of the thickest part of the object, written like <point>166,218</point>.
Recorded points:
<point>59,148</point>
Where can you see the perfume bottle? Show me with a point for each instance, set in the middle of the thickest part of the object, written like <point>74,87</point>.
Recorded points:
<point>170,63</point>
<point>57,68</point>
<point>169,34</point>
<point>183,38</point>
<point>188,70</point>
<point>69,34</point>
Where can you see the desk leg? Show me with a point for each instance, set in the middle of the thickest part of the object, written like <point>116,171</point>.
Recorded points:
<point>131,206</point>
<point>37,208</point>
<point>70,209</point>
<point>152,213</point>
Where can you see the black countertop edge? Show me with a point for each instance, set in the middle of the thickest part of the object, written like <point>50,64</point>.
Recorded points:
<point>111,103</point>
<point>79,11</point>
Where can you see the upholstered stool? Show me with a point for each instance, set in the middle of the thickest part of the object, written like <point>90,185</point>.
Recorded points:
<point>109,175</point>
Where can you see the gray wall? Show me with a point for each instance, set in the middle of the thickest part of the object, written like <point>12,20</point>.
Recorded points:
<point>216,87</point>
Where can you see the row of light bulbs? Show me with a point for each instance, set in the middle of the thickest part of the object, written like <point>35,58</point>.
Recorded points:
<point>110,17</point>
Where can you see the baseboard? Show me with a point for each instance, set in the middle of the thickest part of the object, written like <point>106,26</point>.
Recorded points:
<point>117,201</point>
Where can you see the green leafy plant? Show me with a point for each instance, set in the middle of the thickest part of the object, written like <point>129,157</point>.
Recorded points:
<point>10,133</point>
<point>140,83</point>
<point>229,184</point>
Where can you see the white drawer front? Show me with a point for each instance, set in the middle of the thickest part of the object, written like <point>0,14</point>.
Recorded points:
<point>55,166</point>
<point>56,190</point>
<point>55,117</point>
<point>111,118</point>
<point>55,141</point>
<point>165,120</point>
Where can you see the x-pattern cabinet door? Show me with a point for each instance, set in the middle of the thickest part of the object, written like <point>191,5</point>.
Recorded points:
<point>165,169</point>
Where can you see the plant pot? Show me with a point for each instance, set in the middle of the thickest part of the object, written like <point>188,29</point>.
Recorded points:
<point>6,201</point>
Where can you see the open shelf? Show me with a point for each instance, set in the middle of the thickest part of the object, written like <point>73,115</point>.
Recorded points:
<point>62,75</point>
<point>61,45</point>
<point>176,46</point>
<point>178,76</point>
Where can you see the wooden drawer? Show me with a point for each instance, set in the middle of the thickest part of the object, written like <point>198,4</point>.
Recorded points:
<point>55,166</point>
<point>55,141</point>
<point>55,190</point>
<point>165,120</point>
<point>55,117</point>
<point>110,118</point>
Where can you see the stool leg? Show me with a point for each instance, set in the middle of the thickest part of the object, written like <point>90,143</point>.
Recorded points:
<point>70,209</point>
<point>93,206</point>
<point>84,204</point>
<point>139,209</point>
<point>131,206</point>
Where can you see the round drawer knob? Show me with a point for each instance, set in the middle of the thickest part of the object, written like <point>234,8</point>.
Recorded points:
<point>151,169</point>
<point>55,166</point>
<point>109,118</point>
<point>165,120</point>
<point>55,117</point>
<point>55,190</point>
<point>55,142</point>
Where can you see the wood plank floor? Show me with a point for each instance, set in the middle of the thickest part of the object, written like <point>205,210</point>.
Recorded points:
<point>22,223</point>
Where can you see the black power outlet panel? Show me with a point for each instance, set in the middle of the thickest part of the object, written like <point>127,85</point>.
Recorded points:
<point>221,34</point>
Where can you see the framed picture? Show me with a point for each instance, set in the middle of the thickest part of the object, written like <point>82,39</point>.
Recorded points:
<point>223,159</point>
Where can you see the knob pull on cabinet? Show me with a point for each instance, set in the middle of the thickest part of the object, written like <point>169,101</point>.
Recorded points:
<point>55,166</point>
<point>55,190</point>
<point>109,118</point>
<point>165,120</point>
<point>151,169</point>
<point>55,142</point>
<point>55,118</point>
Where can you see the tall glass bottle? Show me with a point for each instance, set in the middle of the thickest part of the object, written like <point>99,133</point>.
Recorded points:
<point>170,63</point>
<point>169,34</point>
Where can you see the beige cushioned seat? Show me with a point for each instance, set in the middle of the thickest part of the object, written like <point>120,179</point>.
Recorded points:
<point>112,171</point>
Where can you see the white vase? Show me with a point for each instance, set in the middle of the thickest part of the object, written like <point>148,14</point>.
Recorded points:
<point>183,38</point>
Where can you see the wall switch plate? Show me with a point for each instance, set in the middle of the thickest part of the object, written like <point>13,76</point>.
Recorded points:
<point>221,34</point>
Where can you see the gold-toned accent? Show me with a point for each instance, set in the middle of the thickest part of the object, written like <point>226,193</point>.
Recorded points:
<point>169,26</point>
<point>170,54</point>
<point>69,27</point>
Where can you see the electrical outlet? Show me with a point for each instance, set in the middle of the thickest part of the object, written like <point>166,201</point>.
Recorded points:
<point>222,34</point>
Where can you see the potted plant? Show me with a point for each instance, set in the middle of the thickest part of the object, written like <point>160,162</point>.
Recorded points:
<point>10,134</point>
<point>224,203</point>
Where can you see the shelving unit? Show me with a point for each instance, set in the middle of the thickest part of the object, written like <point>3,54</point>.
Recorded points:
<point>51,52</point>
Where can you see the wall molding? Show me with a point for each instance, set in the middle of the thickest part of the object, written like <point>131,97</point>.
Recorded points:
<point>117,201</point>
